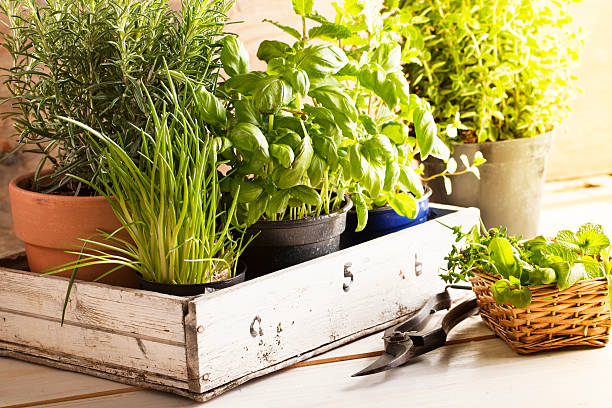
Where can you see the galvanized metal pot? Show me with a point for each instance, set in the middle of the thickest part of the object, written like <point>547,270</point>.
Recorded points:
<point>509,192</point>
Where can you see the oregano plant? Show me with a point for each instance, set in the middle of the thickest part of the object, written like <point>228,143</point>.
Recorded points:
<point>492,70</point>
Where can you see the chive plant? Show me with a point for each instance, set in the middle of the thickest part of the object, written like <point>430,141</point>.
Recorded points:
<point>169,202</point>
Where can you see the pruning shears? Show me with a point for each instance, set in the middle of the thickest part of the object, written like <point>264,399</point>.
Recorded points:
<point>405,340</point>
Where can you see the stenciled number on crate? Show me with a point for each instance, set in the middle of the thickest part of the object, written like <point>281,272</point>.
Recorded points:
<point>256,329</point>
<point>348,274</point>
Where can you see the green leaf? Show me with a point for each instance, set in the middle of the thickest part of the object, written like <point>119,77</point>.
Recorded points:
<point>373,180</point>
<point>336,100</point>
<point>327,149</point>
<point>542,276</point>
<point>402,88</point>
<point>234,56</point>
<point>440,150</point>
<point>321,60</point>
<point>282,153</point>
<point>302,7</point>
<point>248,137</point>
<point>244,111</point>
<point>269,49</point>
<point>329,30</point>
<point>257,208</point>
<point>504,293</point>
<point>380,146</point>
<point>592,239</point>
<point>410,181</point>
<point>502,255</point>
<point>278,202</point>
<point>404,204</point>
<point>362,211</point>
<point>568,274</point>
<point>397,132</point>
<point>289,30</point>
<point>247,190</point>
<point>316,169</point>
<point>210,108</point>
<point>388,56</point>
<point>246,84</point>
<point>392,174</point>
<point>360,165</point>
<point>293,176</point>
<point>425,129</point>
<point>306,194</point>
<point>299,81</point>
<point>368,124</point>
<point>273,94</point>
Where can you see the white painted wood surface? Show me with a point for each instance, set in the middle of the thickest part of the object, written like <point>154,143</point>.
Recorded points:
<point>299,309</point>
<point>143,314</point>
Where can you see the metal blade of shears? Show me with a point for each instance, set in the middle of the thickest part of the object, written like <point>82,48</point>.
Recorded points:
<point>401,346</point>
<point>397,343</point>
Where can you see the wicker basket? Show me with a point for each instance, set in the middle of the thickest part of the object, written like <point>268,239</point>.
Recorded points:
<point>577,316</point>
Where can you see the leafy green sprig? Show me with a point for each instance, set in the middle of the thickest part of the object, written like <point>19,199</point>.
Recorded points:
<point>493,70</point>
<point>568,258</point>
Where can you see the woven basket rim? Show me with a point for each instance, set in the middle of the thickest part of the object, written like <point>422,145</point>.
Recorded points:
<point>483,274</point>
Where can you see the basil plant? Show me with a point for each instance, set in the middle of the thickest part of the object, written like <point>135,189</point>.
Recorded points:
<point>325,119</point>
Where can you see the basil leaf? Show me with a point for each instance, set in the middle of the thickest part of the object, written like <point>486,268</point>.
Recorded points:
<point>316,169</point>
<point>234,57</point>
<point>278,202</point>
<point>282,153</point>
<point>425,129</point>
<point>210,108</point>
<point>246,84</point>
<point>396,132</point>
<point>306,194</point>
<point>321,60</point>
<point>336,100</point>
<point>248,137</point>
<point>272,49</point>
<point>360,166</point>
<point>273,94</point>
<point>244,111</point>
<point>362,211</point>
<point>247,190</point>
<point>388,56</point>
<point>404,204</point>
<point>392,174</point>
<point>292,176</point>
<point>410,181</point>
<point>368,124</point>
<point>299,81</point>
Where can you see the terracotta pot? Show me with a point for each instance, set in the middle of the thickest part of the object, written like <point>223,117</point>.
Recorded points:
<point>50,224</point>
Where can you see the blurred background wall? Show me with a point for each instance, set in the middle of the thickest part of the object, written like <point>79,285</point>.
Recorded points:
<point>582,148</point>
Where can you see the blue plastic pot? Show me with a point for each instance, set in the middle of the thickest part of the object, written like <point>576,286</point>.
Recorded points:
<point>382,221</point>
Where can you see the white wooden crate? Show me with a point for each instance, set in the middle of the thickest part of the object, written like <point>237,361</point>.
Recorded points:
<point>200,347</point>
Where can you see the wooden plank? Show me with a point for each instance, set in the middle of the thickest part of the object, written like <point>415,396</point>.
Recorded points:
<point>96,349</point>
<point>463,375</point>
<point>130,312</point>
<point>17,379</point>
<point>299,309</point>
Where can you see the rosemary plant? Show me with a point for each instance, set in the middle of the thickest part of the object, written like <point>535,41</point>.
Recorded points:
<point>90,60</point>
<point>169,202</point>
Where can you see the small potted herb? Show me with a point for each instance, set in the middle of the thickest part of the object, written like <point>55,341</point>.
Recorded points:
<point>541,293</point>
<point>179,235</point>
<point>91,61</point>
<point>499,77</point>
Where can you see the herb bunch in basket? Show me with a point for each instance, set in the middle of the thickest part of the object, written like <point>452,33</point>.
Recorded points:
<point>568,258</point>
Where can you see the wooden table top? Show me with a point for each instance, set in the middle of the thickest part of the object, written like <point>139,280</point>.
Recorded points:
<point>474,369</point>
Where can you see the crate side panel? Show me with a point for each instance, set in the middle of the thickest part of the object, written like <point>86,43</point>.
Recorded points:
<point>100,347</point>
<point>120,310</point>
<point>302,308</point>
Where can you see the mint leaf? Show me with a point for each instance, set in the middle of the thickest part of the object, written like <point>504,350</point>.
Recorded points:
<point>591,239</point>
<point>289,30</point>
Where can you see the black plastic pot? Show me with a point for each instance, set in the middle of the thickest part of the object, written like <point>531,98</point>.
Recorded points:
<point>280,244</point>
<point>195,289</point>
<point>382,221</point>
<point>509,192</point>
